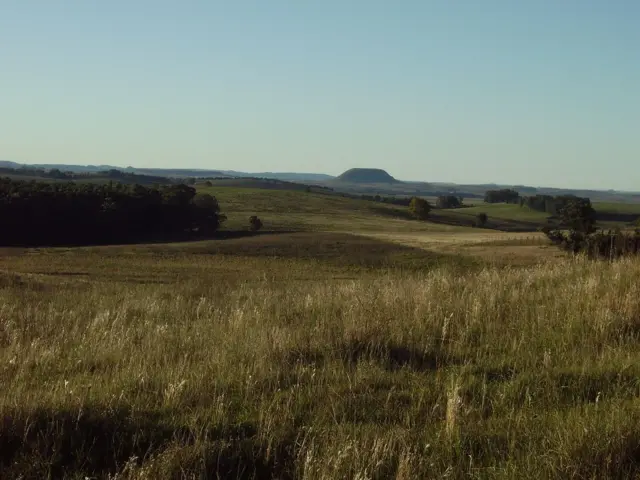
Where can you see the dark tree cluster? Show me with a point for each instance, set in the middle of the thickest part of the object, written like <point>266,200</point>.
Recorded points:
<point>40,213</point>
<point>580,218</point>
<point>57,174</point>
<point>610,244</point>
<point>552,205</point>
<point>502,196</point>
<point>448,201</point>
<point>37,172</point>
<point>402,201</point>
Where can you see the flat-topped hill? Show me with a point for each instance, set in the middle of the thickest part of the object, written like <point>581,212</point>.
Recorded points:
<point>366,175</point>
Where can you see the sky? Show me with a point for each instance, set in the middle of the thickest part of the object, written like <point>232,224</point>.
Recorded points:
<point>534,92</point>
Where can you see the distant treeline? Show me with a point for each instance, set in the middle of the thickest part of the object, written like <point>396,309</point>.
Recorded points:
<point>502,196</point>
<point>40,213</point>
<point>550,204</point>
<point>402,201</point>
<point>56,174</point>
<point>442,201</point>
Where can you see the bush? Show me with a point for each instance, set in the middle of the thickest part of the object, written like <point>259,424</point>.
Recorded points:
<point>449,201</point>
<point>419,208</point>
<point>481,219</point>
<point>255,223</point>
<point>579,216</point>
<point>611,244</point>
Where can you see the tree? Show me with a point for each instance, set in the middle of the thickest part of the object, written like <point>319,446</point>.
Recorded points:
<point>419,208</point>
<point>206,201</point>
<point>255,223</point>
<point>448,201</point>
<point>482,219</point>
<point>578,215</point>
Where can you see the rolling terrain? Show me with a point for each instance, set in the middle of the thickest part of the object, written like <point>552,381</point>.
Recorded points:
<point>346,340</point>
<point>357,180</point>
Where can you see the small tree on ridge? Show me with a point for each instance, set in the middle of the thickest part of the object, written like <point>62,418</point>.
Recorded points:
<point>419,208</point>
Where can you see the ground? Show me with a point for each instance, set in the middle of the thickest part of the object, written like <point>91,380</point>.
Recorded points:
<point>345,341</point>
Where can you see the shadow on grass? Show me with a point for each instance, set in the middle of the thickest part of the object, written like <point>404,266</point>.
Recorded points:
<point>337,248</point>
<point>154,239</point>
<point>502,225</point>
<point>393,357</point>
<point>617,217</point>
<point>63,443</point>
<point>389,356</point>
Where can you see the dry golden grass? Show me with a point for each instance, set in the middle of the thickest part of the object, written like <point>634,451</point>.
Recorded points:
<point>195,362</point>
<point>488,246</point>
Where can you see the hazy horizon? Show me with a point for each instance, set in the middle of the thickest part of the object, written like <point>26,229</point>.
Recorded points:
<point>535,94</point>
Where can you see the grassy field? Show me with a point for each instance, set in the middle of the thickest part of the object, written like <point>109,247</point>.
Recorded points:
<point>363,345</point>
<point>501,216</point>
<point>286,210</point>
<point>513,217</point>
<point>297,210</point>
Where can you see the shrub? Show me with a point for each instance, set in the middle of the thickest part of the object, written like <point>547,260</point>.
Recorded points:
<point>482,219</point>
<point>449,201</point>
<point>255,223</point>
<point>419,208</point>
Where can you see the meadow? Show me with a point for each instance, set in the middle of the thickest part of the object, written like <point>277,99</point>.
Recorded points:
<point>347,341</point>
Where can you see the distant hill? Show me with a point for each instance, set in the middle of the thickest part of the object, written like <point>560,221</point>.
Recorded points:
<point>173,172</point>
<point>56,175</point>
<point>356,180</point>
<point>366,175</point>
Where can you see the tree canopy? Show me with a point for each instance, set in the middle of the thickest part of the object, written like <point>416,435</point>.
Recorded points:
<point>419,208</point>
<point>40,213</point>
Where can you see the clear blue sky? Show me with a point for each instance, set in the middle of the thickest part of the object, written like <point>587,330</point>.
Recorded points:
<point>537,92</point>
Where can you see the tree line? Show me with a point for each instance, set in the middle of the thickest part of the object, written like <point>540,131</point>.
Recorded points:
<point>57,174</point>
<point>506,195</point>
<point>41,213</point>
<point>553,205</point>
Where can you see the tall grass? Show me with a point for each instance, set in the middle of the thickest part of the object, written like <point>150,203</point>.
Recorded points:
<point>497,373</point>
